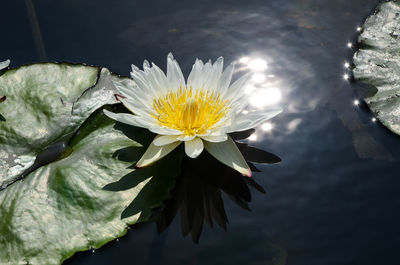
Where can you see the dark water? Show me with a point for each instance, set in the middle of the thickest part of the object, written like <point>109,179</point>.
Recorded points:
<point>335,197</point>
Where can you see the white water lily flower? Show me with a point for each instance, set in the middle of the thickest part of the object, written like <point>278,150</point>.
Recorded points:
<point>200,112</point>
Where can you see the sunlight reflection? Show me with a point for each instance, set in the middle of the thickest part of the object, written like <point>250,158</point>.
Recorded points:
<point>346,76</point>
<point>265,97</point>
<point>263,88</point>
<point>244,60</point>
<point>258,78</point>
<point>257,64</point>
<point>349,45</point>
<point>346,65</point>
<point>267,127</point>
<point>252,137</point>
<point>293,124</point>
<point>250,89</point>
<point>356,102</point>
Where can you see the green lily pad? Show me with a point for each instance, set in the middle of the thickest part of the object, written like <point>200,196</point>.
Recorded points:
<point>56,136</point>
<point>377,63</point>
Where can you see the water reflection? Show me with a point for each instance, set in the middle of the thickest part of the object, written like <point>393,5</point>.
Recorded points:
<point>197,195</point>
<point>258,78</point>
<point>253,137</point>
<point>257,64</point>
<point>267,127</point>
<point>264,88</point>
<point>349,45</point>
<point>199,184</point>
<point>265,97</point>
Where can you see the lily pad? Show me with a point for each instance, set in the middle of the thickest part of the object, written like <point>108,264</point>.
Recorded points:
<point>377,63</point>
<point>56,137</point>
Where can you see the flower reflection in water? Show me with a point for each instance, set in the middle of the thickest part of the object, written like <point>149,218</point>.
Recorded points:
<point>199,184</point>
<point>197,195</point>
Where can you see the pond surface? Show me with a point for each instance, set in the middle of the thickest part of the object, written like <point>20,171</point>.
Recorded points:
<point>335,197</point>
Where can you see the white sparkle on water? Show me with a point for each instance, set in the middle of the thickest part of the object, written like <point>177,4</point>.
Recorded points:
<point>265,97</point>
<point>267,127</point>
<point>258,78</point>
<point>244,60</point>
<point>257,64</point>
<point>253,137</point>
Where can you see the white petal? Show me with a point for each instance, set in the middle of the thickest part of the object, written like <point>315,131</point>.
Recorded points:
<point>161,140</point>
<point>215,75</point>
<point>156,80</point>
<point>141,79</point>
<point>163,130</point>
<point>228,153</point>
<point>154,153</point>
<point>215,138</point>
<point>185,138</point>
<point>4,64</point>
<point>138,121</point>
<point>199,77</point>
<point>137,109</point>
<point>226,78</point>
<point>252,120</point>
<point>132,91</point>
<point>161,79</point>
<point>135,68</point>
<point>194,147</point>
<point>174,73</point>
<point>237,89</point>
<point>205,74</point>
<point>194,76</point>
<point>129,119</point>
<point>146,65</point>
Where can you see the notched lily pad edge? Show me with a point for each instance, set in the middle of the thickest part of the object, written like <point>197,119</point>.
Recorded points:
<point>66,139</point>
<point>366,90</point>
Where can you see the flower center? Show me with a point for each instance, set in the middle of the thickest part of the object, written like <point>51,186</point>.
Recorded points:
<point>191,111</point>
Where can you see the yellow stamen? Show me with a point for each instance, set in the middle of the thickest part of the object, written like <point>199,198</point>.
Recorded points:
<point>190,111</point>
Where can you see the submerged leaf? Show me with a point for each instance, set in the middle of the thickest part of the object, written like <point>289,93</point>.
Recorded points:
<point>377,63</point>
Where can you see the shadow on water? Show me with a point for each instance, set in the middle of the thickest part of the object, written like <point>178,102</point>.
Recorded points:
<point>199,184</point>
<point>159,176</point>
